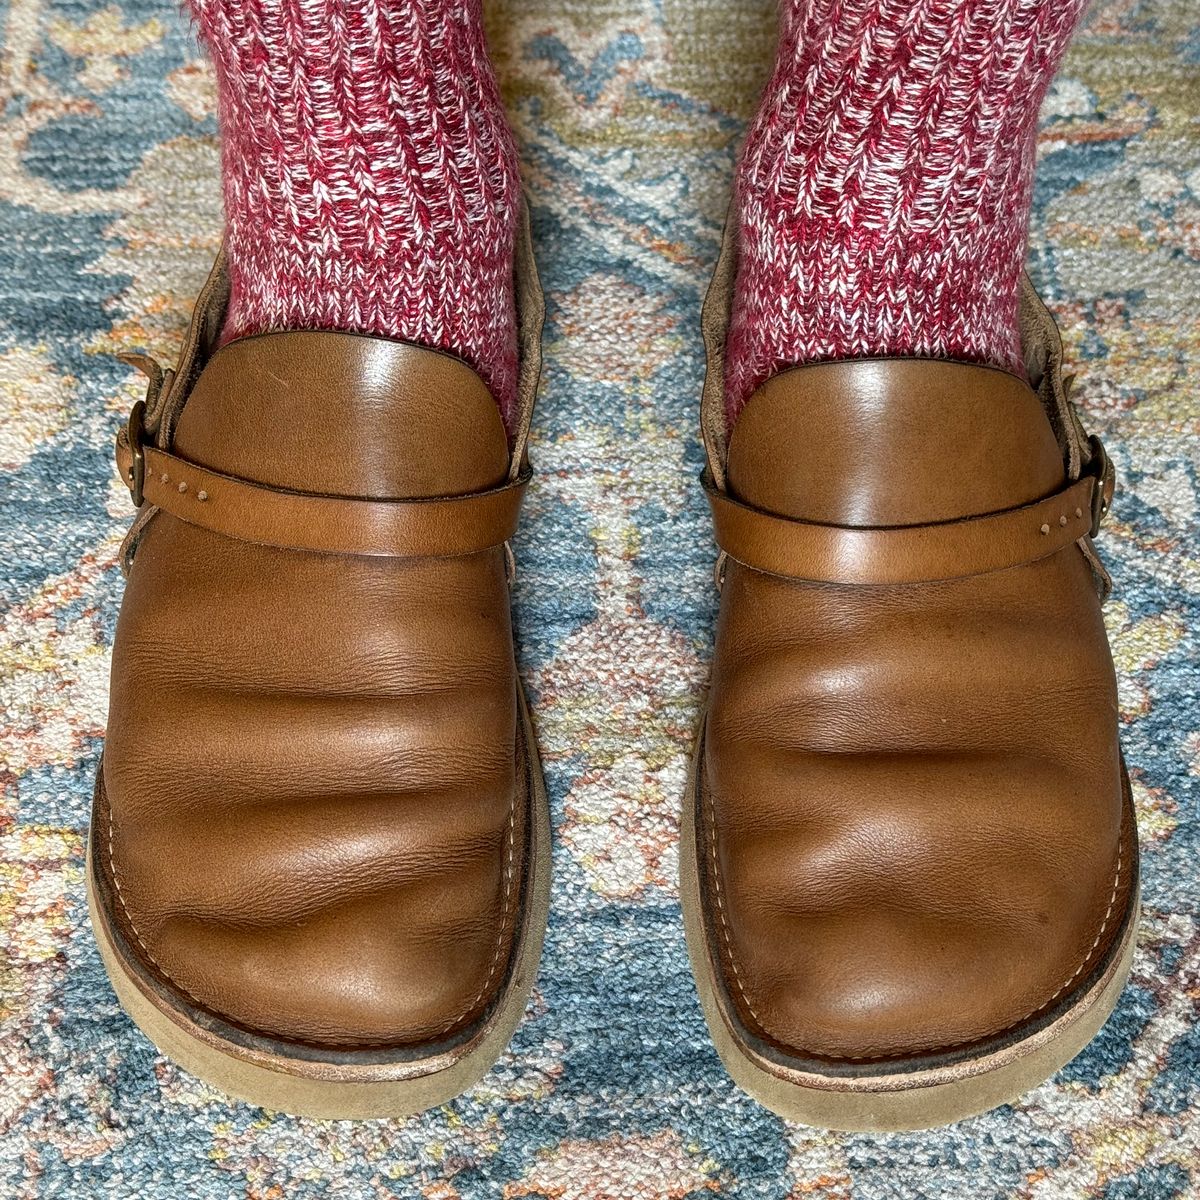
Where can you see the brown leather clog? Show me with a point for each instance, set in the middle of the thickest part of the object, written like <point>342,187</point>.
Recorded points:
<point>319,855</point>
<point>909,861</point>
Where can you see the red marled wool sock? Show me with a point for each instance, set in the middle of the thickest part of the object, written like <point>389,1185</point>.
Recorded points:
<point>884,188</point>
<point>370,175</point>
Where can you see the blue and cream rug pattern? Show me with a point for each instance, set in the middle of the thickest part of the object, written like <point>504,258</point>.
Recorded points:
<point>628,111</point>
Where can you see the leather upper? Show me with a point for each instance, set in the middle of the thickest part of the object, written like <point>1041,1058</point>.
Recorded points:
<point>913,827</point>
<point>314,770</point>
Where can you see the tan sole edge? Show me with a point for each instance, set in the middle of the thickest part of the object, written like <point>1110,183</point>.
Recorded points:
<point>895,1101</point>
<point>226,1067</point>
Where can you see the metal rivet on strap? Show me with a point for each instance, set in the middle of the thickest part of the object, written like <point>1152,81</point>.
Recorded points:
<point>1079,512</point>
<point>1045,529</point>
<point>165,478</point>
<point>183,487</point>
<point>201,495</point>
<point>1062,520</point>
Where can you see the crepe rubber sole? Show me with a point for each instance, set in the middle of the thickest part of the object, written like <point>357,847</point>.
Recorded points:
<point>888,1098</point>
<point>306,1081</point>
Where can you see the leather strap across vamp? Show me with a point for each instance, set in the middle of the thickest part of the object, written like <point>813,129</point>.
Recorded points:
<point>319,858</point>
<point>910,862</point>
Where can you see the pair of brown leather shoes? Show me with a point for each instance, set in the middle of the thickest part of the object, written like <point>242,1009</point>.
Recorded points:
<point>319,859</point>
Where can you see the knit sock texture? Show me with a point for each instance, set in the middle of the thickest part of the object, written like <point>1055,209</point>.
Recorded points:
<point>370,176</point>
<point>884,188</point>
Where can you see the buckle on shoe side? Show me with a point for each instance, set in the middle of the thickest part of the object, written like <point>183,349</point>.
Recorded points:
<point>1101,468</point>
<point>137,467</point>
<point>135,428</point>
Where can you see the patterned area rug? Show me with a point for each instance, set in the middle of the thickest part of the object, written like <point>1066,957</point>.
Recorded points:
<point>628,111</point>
